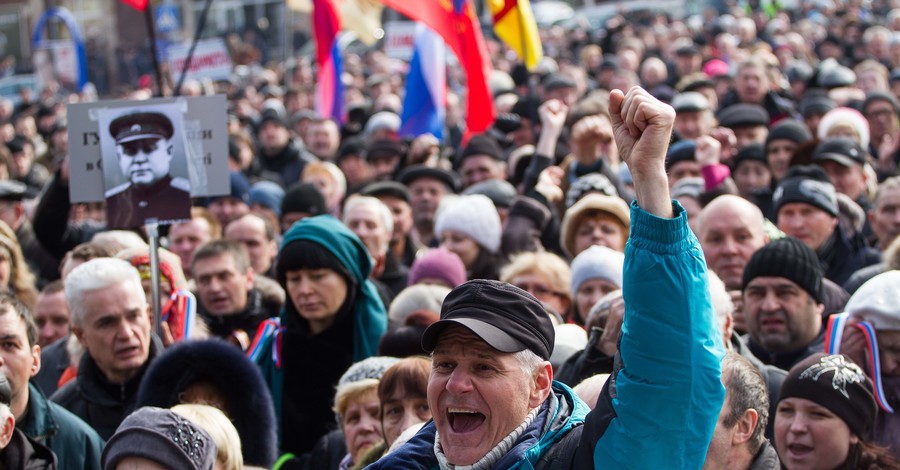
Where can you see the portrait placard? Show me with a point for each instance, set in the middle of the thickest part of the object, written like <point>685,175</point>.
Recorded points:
<point>202,145</point>
<point>144,165</point>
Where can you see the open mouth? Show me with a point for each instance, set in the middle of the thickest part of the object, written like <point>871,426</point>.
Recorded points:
<point>799,450</point>
<point>464,420</point>
<point>128,352</point>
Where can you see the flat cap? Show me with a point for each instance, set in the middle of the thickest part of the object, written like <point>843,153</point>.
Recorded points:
<point>743,115</point>
<point>690,101</point>
<point>415,172</point>
<point>386,188</point>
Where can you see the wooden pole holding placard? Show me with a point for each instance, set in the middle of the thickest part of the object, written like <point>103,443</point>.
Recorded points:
<point>152,228</point>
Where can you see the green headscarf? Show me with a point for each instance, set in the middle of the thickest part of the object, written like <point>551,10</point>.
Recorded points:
<point>370,316</point>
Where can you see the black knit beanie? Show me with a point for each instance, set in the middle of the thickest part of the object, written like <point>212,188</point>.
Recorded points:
<point>789,129</point>
<point>750,152</point>
<point>836,383</point>
<point>303,197</point>
<point>482,145</point>
<point>808,184</point>
<point>681,151</point>
<point>788,258</point>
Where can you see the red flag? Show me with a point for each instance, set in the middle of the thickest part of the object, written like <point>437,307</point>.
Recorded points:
<point>139,5</point>
<point>456,23</point>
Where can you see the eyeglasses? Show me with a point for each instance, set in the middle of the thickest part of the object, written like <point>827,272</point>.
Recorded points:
<point>879,113</point>
<point>539,290</point>
<point>145,145</point>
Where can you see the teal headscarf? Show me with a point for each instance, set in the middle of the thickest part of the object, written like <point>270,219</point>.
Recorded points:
<point>370,316</point>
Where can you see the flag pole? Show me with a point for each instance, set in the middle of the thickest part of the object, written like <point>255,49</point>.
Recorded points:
<point>529,79</point>
<point>151,31</point>
<point>190,55</point>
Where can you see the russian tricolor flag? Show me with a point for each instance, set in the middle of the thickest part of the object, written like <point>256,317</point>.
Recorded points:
<point>425,101</point>
<point>326,26</point>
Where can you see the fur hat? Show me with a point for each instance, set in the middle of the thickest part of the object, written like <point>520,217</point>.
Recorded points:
<point>247,398</point>
<point>591,202</point>
<point>597,262</point>
<point>788,258</point>
<point>474,216</point>
<point>836,383</point>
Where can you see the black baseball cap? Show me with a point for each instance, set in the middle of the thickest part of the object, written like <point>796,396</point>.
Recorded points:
<point>840,150</point>
<point>507,318</point>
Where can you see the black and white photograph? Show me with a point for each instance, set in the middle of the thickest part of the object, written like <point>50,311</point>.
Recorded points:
<point>144,168</point>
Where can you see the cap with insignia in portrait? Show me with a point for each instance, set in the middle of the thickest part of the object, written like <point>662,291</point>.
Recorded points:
<point>138,126</point>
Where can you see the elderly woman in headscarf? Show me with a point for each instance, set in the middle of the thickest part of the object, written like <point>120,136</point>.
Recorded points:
<point>333,318</point>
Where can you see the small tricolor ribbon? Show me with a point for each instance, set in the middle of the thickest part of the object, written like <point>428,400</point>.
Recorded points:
<point>269,327</point>
<point>834,335</point>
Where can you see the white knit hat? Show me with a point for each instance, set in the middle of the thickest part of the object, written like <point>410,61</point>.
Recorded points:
<point>597,262</point>
<point>473,215</point>
<point>878,301</point>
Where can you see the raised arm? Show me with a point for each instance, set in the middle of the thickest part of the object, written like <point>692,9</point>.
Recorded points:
<point>643,128</point>
<point>662,401</point>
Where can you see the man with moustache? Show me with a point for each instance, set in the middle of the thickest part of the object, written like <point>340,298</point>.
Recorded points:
<point>783,307</point>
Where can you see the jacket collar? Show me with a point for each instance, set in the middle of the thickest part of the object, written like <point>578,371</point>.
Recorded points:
<point>38,421</point>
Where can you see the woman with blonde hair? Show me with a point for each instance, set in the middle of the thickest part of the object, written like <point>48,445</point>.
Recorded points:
<point>15,275</point>
<point>223,433</point>
<point>544,275</point>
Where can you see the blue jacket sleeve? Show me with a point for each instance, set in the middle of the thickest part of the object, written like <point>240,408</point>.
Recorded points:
<point>664,399</point>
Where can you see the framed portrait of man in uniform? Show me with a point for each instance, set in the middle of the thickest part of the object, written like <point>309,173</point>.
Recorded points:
<point>144,167</point>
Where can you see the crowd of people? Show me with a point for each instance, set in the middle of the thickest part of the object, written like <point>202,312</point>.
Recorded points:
<point>676,247</point>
